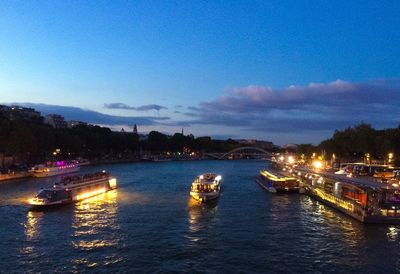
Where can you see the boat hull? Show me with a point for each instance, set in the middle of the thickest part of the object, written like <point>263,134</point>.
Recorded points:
<point>204,197</point>
<point>270,187</point>
<point>51,173</point>
<point>72,193</point>
<point>52,205</point>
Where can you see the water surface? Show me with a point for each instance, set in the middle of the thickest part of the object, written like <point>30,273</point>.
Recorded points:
<point>150,224</point>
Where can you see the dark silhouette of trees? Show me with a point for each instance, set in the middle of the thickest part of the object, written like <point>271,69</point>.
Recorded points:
<point>31,141</point>
<point>354,143</point>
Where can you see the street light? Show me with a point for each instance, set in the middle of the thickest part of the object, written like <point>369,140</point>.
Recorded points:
<point>390,158</point>
<point>317,164</point>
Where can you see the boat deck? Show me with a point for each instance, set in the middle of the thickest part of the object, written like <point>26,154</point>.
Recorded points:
<point>363,181</point>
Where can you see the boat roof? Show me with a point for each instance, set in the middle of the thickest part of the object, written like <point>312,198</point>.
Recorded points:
<point>278,176</point>
<point>206,178</point>
<point>75,179</point>
<point>366,182</point>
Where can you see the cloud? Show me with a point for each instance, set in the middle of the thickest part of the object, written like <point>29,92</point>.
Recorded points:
<point>190,114</point>
<point>334,94</point>
<point>139,108</point>
<point>194,108</point>
<point>93,117</point>
<point>312,108</point>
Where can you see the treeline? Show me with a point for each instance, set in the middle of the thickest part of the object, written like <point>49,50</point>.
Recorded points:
<point>31,141</point>
<point>354,143</point>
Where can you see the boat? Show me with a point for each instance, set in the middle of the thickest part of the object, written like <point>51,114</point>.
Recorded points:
<point>72,189</point>
<point>82,162</point>
<point>362,198</point>
<point>54,169</point>
<point>206,187</point>
<point>276,183</point>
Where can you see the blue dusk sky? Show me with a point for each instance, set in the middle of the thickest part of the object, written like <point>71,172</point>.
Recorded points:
<point>285,71</point>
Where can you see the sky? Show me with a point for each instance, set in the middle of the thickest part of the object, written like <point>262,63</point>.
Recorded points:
<point>284,71</point>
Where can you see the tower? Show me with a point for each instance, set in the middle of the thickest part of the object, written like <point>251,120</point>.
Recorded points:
<point>135,129</point>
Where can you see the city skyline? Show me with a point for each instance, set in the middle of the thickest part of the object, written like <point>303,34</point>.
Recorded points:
<point>280,71</point>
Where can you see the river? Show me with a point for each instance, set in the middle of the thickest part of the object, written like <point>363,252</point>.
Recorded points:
<point>150,224</point>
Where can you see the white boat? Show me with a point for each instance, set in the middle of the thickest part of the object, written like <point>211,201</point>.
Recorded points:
<point>277,183</point>
<point>82,162</point>
<point>206,187</point>
<point>54,169</point>
<point>72,189</point>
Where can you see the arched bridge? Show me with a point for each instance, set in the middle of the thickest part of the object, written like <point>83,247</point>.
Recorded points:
<point>242,153</point>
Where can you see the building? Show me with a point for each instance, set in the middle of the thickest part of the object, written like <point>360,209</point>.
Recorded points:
<point>135,129</point>
<point>74,123</point>
<point>17,112</point>
<point>55,120</point>
<point>5,109</point>
<point>267,145</point>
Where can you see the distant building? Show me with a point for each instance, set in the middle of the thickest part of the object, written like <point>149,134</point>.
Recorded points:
<point>258,143</point>
<point>135,129</point>
<point>73,123</point>
<point>26,113</point>
<point>17,112</point>
<point>55,120</point>
<point>5,109</point>
<point>290,146</point>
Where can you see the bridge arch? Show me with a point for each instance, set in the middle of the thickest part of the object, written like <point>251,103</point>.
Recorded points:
<point>246,149</point>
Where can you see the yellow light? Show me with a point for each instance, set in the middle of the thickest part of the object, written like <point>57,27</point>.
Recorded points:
<point>90,194</point>
<point>317,164</point>
<point>113,183</point>
<point>290,160</point>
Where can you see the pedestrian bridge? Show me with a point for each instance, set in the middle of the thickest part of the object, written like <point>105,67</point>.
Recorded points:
<point>242,153</point>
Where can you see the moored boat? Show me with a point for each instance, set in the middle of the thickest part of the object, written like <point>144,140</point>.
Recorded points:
<point>277,184</point>
<point>54,169</point>
<point>362,198</point>
<point>73,189</point>
<point>206,187</point>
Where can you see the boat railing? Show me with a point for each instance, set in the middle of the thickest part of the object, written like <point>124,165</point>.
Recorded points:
<point>81,179</point>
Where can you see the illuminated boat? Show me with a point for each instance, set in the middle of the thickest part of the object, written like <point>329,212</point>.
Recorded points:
<point>72,189</point>
<point>362,198</point>
<point>206,187</point>
<point>54,169</point>
<point>277,184</point>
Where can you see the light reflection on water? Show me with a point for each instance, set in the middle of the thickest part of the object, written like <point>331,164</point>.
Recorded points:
<point>95,227</point>
<point>199,217</point>
<point>32,224</point>
<point>150,224</point>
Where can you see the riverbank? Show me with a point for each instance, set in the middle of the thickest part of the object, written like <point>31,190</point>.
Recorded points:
<point>14,176</point>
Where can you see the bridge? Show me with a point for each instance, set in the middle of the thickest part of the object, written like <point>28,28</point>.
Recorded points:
<point>242,153</point>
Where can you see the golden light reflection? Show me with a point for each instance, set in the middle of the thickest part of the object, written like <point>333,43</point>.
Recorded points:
<point>31,226</point>
<point>95,222</point>
<point>31,230</point>
<point>197,212</point>
<point>350,230</point>
<point>90,194</point>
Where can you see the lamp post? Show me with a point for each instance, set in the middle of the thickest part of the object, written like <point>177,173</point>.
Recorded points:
<point>367,158</point>
<point>390,158</point>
